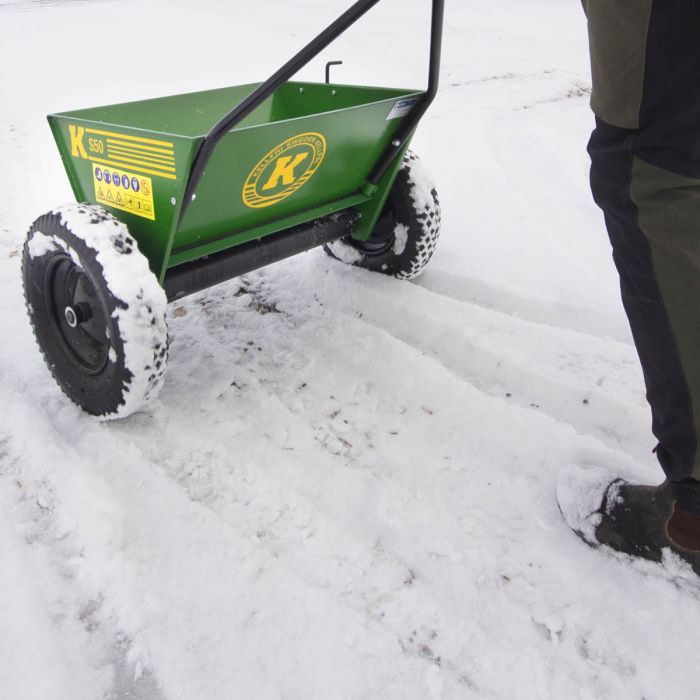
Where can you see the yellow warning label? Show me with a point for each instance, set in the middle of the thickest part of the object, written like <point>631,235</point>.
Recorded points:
<point>126,191</point>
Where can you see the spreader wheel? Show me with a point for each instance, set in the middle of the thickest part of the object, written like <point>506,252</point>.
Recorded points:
<point>405,237</point>
<point>97,310</point>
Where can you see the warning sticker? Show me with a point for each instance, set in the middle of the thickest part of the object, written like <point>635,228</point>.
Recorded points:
<point>402,108</point>
<point>126,191</point>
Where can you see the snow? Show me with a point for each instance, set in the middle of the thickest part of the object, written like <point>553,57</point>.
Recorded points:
<point>422,184</point>
<point>345,252</point>
<point>347,487</point>
<point>580,493</point>
<point>41,244</point>
<point>400,239</point>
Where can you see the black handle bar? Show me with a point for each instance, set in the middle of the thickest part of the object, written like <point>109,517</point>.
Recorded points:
<point>305,56</point>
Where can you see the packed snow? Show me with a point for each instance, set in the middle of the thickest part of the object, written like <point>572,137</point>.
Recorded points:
<point>347,487</point>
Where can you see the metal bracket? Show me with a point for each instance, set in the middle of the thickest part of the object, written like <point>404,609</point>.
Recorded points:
<point>328,69</point>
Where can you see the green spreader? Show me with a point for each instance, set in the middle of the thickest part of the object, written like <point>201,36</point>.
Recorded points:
<point>180,193</point>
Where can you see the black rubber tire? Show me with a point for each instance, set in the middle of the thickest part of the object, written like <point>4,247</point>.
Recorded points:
<point>64,264</point>
<point>407,232</point>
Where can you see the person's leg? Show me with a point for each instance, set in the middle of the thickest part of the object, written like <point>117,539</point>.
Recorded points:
<point>668,207</point>
<point>645,176</point>
<point>653,220</point>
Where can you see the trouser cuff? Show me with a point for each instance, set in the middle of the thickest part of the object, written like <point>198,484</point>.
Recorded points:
<point>687,495</point>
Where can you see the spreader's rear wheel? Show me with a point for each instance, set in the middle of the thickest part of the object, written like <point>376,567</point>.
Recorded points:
<point>405,237</point>
<point>97,310</point>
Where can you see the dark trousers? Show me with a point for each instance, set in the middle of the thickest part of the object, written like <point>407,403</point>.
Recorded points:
<point>645,176</point>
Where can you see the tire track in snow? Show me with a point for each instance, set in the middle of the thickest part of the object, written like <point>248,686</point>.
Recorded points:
<point>593,384</point>
<point>550,313</point>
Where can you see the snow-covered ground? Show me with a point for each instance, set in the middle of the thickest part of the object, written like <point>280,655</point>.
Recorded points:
<point>346,488</point>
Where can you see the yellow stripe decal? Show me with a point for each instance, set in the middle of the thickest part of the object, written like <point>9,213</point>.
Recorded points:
<point>139,147</point>
<point>141,161</point>
<point>140,139</point>
<point>165,160</point>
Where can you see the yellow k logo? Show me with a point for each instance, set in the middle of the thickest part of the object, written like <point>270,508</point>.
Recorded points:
<point>284,170</point>
<point>77,150</point>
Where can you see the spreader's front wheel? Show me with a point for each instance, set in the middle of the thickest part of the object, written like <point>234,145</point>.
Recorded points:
<point>405,237</point>
<point>97,310</point>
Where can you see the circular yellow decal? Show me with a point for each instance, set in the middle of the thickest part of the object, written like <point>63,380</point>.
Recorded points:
<point>284,170</point>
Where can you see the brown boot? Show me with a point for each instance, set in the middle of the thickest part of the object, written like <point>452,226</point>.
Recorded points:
<point>683,530</point>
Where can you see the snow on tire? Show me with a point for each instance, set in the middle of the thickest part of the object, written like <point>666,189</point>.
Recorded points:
<point>97,310</point>
<point>406,235</point>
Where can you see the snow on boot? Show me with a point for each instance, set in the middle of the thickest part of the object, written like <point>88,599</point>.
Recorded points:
<point>640,521</point>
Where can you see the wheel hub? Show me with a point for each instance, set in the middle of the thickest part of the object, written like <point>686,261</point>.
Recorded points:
<point>78,320</point>
<point>78,314</point>
<point>382,238</point>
